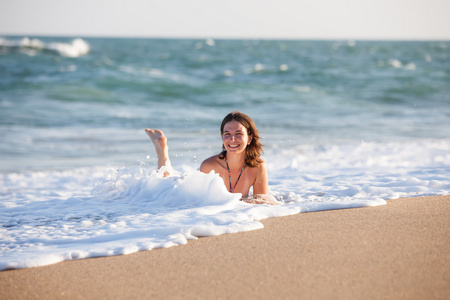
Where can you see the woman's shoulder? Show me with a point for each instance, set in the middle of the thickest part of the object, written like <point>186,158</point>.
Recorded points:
<point>210,164</point>
<point>259,163</point>
<point>262,161</point>
<point>212,159</point>
<point>261,167</point>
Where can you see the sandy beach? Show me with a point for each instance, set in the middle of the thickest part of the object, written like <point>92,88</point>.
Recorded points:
<point>397,251</point>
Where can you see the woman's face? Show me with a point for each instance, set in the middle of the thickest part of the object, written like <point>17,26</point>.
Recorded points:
<point>235,137</point>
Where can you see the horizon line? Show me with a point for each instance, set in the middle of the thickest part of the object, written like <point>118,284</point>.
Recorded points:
<point>230,37</point>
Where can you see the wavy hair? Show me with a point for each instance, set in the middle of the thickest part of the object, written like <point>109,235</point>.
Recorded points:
<point>252,151</point>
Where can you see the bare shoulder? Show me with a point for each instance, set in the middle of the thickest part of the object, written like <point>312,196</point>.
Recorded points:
<point>262,166</point>
<point>210,164</point>
<point>259,172</point>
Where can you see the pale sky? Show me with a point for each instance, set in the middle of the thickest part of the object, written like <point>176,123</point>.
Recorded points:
<point>280,19</point>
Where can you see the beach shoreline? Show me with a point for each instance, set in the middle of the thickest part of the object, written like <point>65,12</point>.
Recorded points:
<point>396,251</point>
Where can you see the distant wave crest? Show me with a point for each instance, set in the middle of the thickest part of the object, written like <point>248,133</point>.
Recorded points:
<point>78,47</point>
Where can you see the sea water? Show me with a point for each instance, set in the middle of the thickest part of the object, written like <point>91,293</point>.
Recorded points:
<point>344,124</point>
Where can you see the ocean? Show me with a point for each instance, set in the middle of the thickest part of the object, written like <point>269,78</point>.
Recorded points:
<point>344,124</point>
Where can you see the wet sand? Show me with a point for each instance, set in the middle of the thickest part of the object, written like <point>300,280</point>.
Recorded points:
<point>397,251</point>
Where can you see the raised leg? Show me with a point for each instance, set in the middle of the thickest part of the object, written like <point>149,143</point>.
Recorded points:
<point>162,150</point>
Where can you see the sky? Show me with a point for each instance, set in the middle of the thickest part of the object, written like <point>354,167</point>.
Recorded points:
<point>260,19</point>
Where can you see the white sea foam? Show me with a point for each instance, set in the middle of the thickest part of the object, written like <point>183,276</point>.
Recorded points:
<point>396,63</point>
<point>228,73</point>
<point>259,67</point>
<point>210,42</point>
<point>153,73</point>
<point>78,47</point>
<point>399,65</point>
<point>284,67</point>
<point>130,210</point>
<point>362,171</point>
<point>47,217</point>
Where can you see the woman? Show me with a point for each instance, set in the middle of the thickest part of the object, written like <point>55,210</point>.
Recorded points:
<point>239,164</point>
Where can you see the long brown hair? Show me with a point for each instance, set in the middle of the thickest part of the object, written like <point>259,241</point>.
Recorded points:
<point>253,151</point>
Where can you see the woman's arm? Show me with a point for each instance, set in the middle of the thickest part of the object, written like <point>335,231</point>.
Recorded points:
<point>261,188</point>
<point>261,184</point>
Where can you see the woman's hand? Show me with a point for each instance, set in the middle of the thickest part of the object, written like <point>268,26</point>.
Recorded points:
<point>261,199</point>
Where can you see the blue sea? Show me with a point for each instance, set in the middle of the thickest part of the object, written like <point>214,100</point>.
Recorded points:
<point>344,124</point>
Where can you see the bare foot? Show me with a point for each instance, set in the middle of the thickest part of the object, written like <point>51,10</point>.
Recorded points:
<point>160,142</point>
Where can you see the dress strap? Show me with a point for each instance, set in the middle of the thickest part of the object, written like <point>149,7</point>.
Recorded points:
<point>229,175</point>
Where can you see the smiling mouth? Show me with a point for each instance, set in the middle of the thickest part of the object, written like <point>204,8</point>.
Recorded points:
<point>233,146</point>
